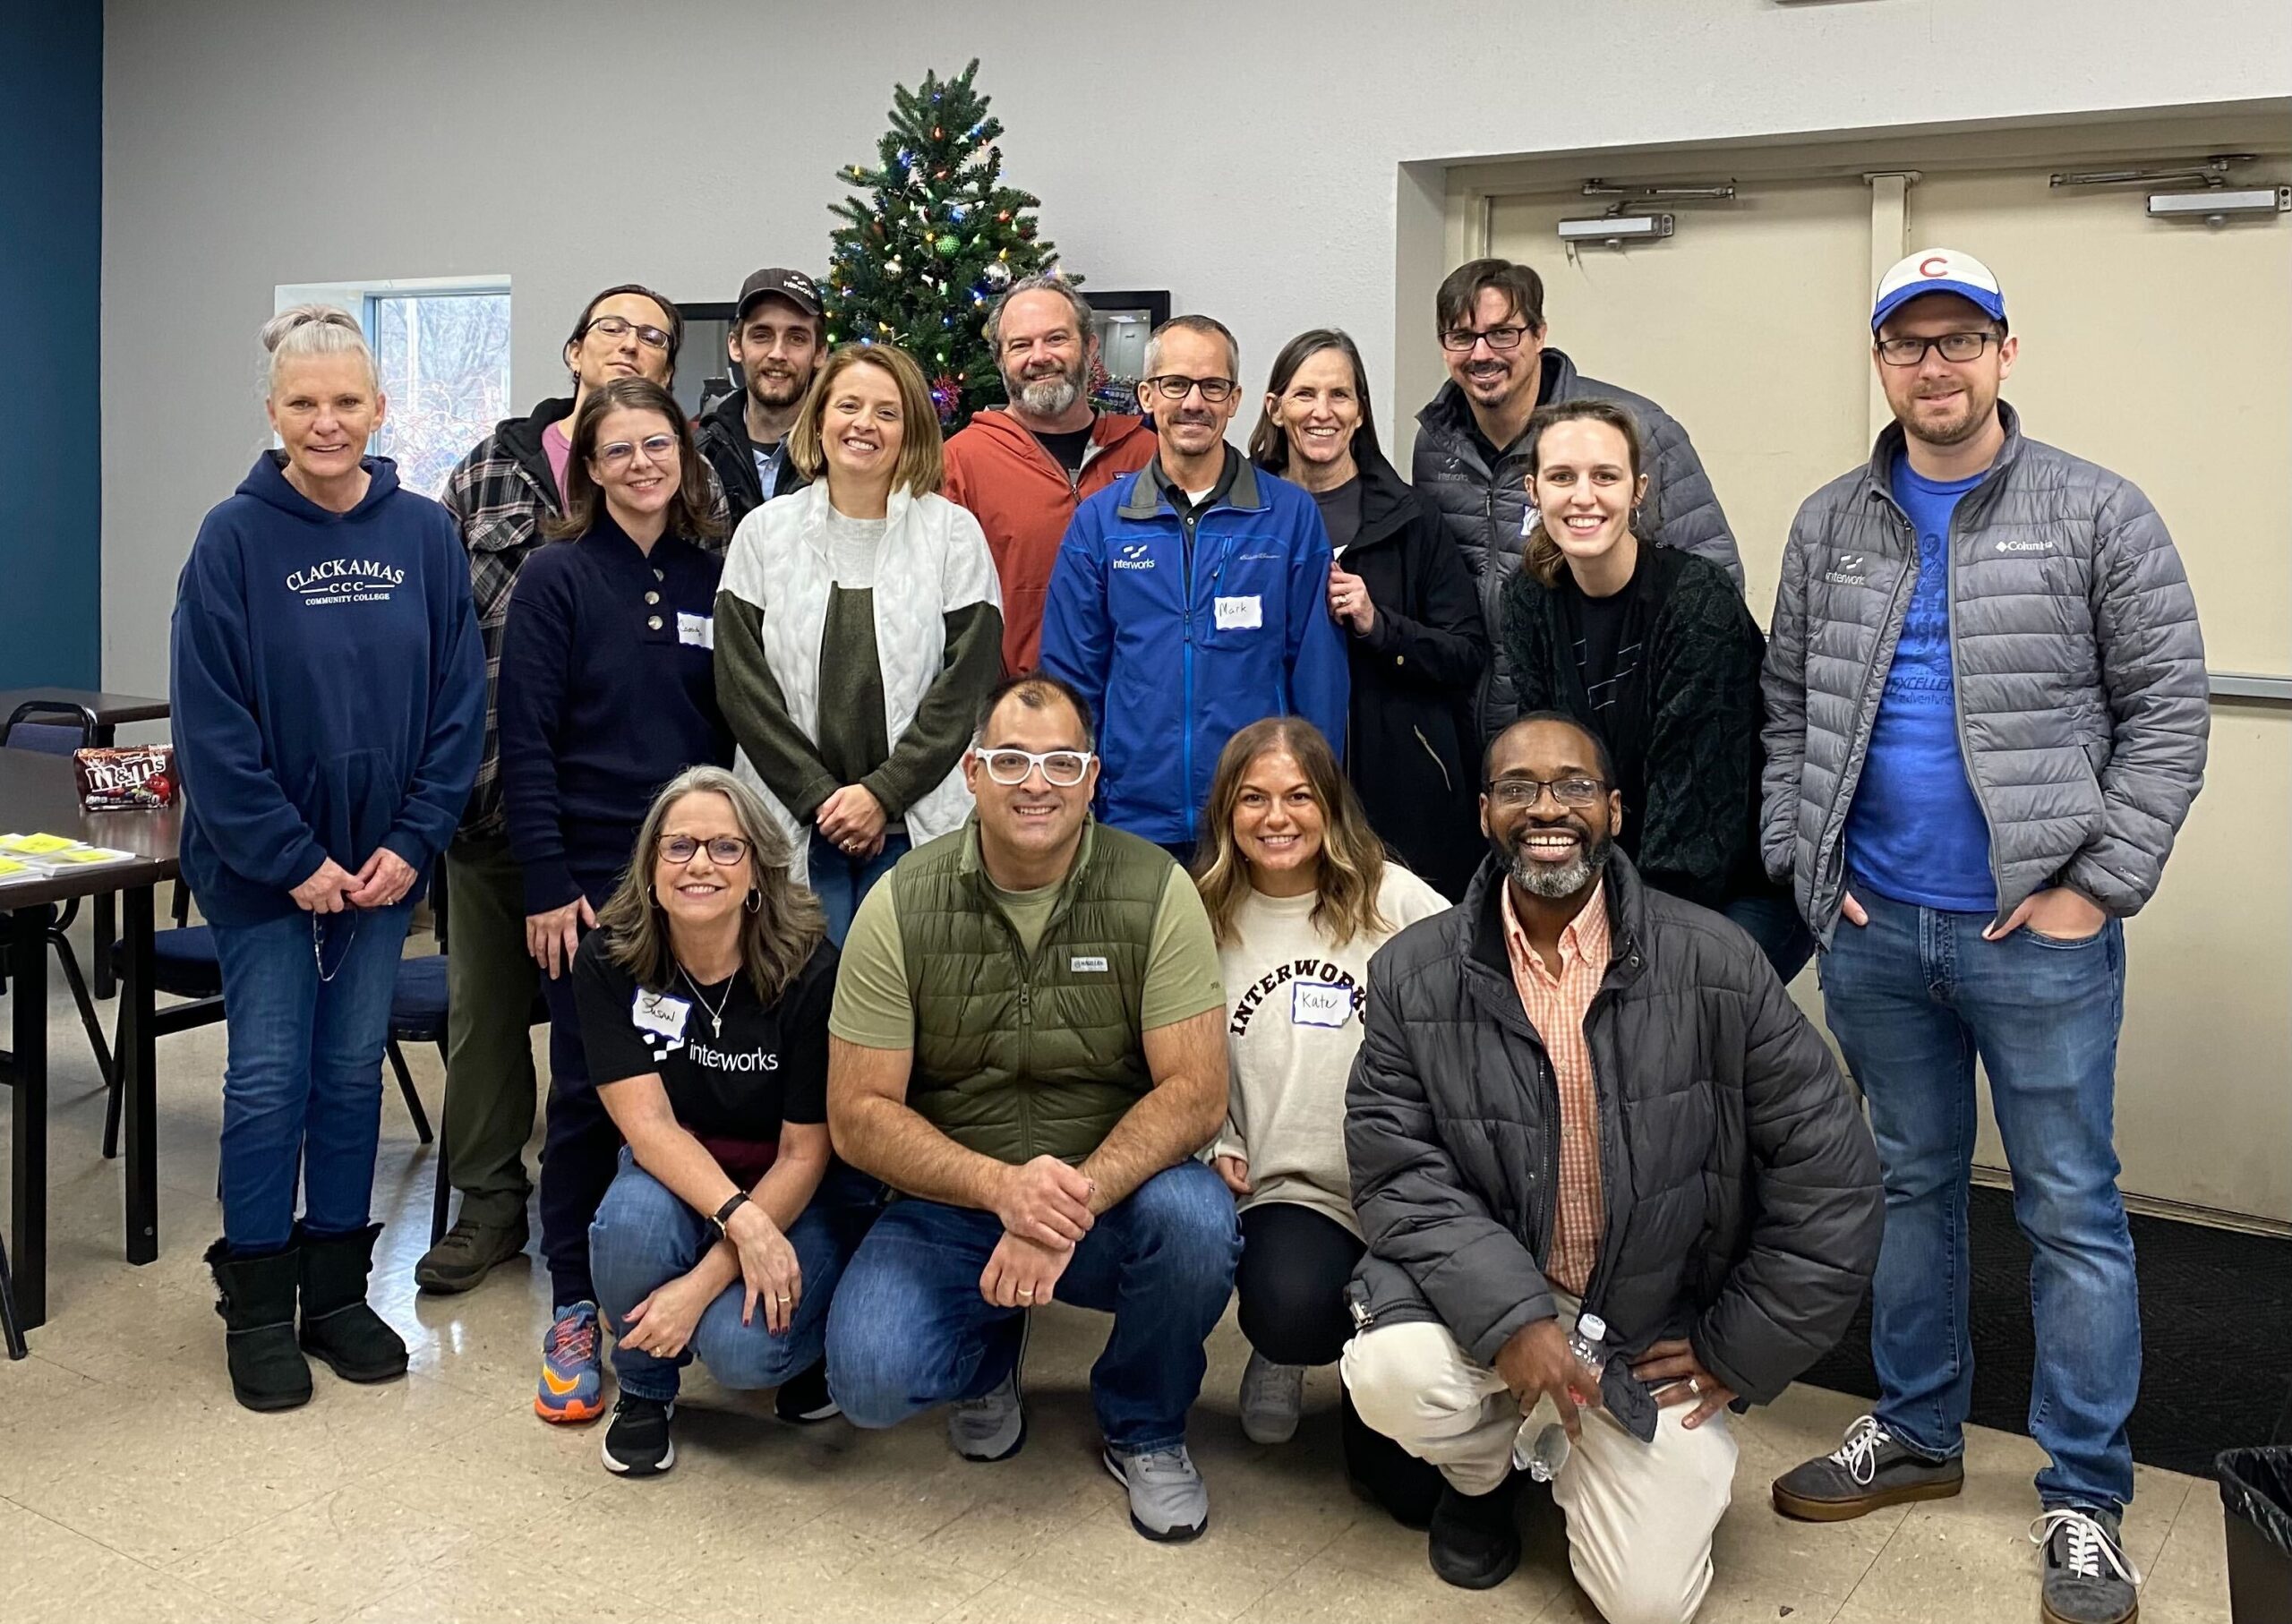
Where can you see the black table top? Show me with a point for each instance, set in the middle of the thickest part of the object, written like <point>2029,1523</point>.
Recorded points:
<point>110,709</point>
<point>39,795</point>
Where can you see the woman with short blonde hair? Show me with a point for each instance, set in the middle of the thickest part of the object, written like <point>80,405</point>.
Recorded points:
<point>859,627</point>
<point>703,996</point>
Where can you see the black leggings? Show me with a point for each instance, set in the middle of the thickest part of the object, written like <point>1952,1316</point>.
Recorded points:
<point>1291,1281</point>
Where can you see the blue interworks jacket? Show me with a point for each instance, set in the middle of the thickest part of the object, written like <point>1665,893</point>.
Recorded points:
<point>1176,648</point>
<point>329,689</point>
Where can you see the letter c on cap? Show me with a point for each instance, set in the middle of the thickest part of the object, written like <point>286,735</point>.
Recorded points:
<point>1934,265</point>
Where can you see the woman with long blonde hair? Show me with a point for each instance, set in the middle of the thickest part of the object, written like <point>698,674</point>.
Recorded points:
<point>703,996</point>
<point>1299,892</point>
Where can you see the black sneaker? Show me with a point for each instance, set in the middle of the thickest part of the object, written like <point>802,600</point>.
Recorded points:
<point>803,1399</point>
<point>638,1442</point>
<point>1473,1542</point>
<point>1872,1468</point>
<point>2087,1579</point>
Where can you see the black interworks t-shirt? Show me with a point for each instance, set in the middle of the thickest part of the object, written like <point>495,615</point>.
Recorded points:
<point>1340,513</point>
<point>766,1066</point>
<point>1605,652</point>
<point>1067,449</point>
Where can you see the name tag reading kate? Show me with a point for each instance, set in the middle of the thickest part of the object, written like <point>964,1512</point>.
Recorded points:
<point>699,631</point>
<point>659,1013</point>
<point>1241,614</point>
<point>1320,1004</point>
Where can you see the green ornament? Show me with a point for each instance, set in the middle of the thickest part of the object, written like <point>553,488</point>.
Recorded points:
<point>948,245</point>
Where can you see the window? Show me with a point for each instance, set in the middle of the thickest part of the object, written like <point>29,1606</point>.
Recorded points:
<point>442,347</point>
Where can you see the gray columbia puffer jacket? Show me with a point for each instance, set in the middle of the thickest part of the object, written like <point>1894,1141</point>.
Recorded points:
<point>1743,1206</point>
<point>1486,509</point>
<point>2083,705</point>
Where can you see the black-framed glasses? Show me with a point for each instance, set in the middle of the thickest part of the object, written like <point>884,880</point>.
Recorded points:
<point>1954,346</point>
<point>1172,386</point>
<point>724,851</point>
<point>1462,338</point>
<point>657,447</point>
<point>621,327</point>
<point>1575,791</point>
<point>1061,769</point>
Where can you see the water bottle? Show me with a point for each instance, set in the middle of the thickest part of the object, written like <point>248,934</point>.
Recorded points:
<point>1540,1447</point>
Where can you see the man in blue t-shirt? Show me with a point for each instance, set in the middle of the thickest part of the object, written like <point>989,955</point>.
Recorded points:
<point>1987,719</point>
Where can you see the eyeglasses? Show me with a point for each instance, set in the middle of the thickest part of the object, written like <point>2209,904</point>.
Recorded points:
<point>1061,769</point>
<point>621,327</point>
<point>1171,386</point>
<point>1514,794</point>
<point>1462,338</point>
<point>724,851</point>
<point>657,447</point>
<point>1954,346</point>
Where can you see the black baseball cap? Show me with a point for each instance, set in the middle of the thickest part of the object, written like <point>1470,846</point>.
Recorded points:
<point>793,286</point>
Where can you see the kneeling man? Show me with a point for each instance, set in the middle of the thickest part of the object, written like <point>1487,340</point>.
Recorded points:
<point>1577,1093</point>
<point>1028,1042</point>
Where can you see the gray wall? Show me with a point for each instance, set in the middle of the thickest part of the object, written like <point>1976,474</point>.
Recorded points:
<point>253,142</point>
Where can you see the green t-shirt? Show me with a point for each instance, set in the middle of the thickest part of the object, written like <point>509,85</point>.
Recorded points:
<point>874,1008</point>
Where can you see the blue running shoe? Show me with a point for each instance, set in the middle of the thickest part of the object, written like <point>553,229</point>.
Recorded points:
<point>572,1369</point>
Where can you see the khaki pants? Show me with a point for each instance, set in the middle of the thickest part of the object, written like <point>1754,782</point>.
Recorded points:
<point>1640,1515</point>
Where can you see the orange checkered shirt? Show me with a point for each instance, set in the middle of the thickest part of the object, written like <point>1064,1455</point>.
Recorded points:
<point>1556,1006</point>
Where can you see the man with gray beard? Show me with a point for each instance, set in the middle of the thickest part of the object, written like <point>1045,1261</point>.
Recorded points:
<point>1583,1106</point>
<point>1024,468</point>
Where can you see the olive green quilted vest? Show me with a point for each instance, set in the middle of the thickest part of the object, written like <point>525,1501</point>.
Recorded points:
<point>1020,1057</point>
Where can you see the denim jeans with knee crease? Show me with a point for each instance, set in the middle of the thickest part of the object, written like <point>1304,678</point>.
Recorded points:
<point>909,1328</point>
<point>1912,998</point>
<point>306,1010</point>
<point>645,1235</point>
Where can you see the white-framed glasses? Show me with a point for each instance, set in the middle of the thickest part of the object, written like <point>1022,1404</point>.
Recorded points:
<point>1061,769</point>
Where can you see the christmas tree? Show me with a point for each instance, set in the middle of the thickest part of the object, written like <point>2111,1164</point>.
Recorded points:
<point>918,264</point>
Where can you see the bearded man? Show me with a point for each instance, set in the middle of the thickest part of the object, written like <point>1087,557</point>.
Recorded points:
<point>777,341</point>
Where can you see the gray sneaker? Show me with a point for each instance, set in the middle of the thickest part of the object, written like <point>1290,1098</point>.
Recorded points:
<point>2087,1579</point>
<point>1872,1469</point>
<point>993,1427</point>
<point>467,1253</point>
<point>1271,1397</point>
<point>1168,1500</point>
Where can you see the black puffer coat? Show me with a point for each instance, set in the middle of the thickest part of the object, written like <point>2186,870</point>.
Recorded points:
<point>1741,1185</point>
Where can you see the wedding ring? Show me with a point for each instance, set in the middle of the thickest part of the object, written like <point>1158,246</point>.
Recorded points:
<point>784,1298</point>
<point>1026,1291</point>
<point>1695,1386</point>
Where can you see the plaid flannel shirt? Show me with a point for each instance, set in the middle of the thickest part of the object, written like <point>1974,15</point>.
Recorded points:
<point>500,501</point>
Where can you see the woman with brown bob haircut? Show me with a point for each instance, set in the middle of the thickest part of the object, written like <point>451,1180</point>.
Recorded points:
<point>1299,892</point>
<point>703,996</point>
<point>606,693</point>
<point>860,625</point>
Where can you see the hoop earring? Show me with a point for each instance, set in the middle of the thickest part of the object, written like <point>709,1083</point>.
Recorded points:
<point>755,903</point>
<point>653,895</point>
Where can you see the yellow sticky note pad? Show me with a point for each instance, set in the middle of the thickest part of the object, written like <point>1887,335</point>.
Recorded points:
<point>36,845</point>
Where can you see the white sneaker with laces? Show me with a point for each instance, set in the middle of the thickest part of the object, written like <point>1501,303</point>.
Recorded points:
<point>1168,1500</point>
<point>1272,1395</point>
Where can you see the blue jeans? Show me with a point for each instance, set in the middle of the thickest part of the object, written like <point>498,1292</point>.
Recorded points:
<point>1772,919</point>
<point>1912,998</point>
<point>909,1328</point>
<point>842,883</point>
<point>303,1070</point>
<point>645,1237</point>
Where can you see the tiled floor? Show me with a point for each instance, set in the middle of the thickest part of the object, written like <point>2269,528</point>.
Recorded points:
<point>132,1488</point>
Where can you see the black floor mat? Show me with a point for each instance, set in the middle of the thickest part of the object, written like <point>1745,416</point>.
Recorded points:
<point>2216,1337</point>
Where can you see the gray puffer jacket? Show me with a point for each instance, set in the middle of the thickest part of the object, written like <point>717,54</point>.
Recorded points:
<point>1486,509</point>
<point>2082,699</point>
<point>1742,1186</point>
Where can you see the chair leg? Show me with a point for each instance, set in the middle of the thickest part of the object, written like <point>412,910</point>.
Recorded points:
<point>441,1198</point>
<point>118,1081</point>
<point>70,963</point>
<point>12,1330</point>
<point>405,1090</point>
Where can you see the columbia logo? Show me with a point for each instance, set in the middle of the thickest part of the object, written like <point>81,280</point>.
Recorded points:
<point>2035,544</point>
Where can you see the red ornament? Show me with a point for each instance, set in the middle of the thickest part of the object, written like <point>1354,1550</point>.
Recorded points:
<point>946,395</point>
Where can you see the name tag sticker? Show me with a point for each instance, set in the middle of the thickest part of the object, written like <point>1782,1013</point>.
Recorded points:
<point>697,630</point>
<point>659,1013</point>
<point>1241,614</point>
<point>1082,962</point>
<point>1320,1004</point>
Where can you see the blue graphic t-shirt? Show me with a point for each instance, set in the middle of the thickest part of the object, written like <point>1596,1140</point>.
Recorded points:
<point>1915,832</point>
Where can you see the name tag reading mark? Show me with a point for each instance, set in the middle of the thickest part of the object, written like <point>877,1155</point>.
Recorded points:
<point>1082,962</point>
<point>1320,1004</point>
<point>659,1013</point>
<point>699,631</point>
<point>1241,614</point>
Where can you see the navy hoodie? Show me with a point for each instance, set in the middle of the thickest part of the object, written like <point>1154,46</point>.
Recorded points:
<point>329,689</point>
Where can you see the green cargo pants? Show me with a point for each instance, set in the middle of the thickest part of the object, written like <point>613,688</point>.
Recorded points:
<point>491,983</point>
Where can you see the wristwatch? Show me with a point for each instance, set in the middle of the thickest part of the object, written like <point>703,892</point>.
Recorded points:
<point>722,1214</point>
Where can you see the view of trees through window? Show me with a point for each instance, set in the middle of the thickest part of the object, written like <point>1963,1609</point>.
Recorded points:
<point>445,366</point>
